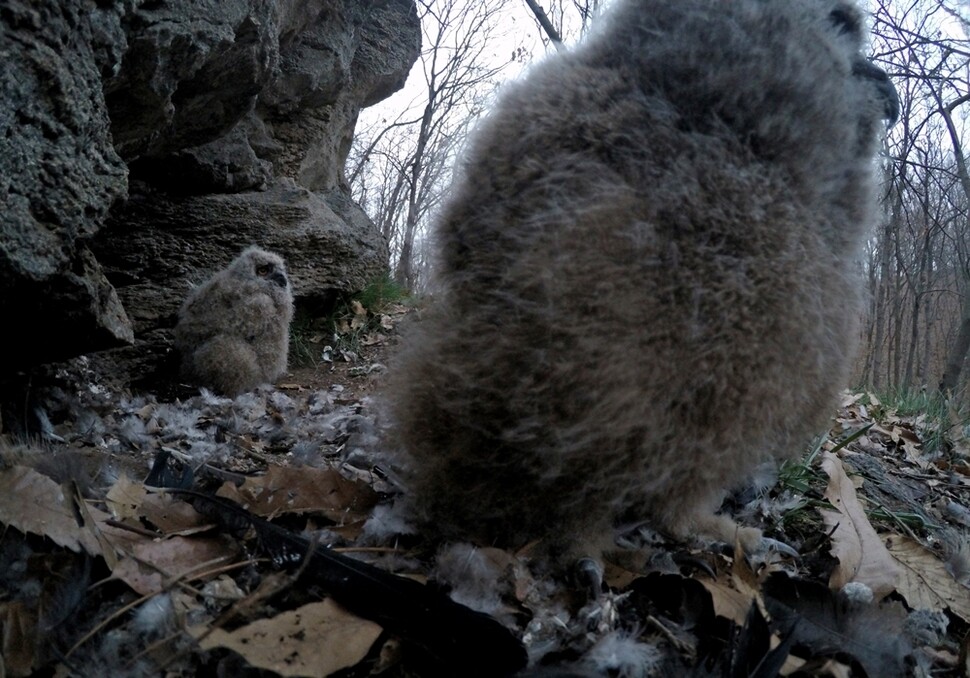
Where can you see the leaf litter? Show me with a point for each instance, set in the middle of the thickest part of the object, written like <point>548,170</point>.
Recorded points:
<point>879,589</point>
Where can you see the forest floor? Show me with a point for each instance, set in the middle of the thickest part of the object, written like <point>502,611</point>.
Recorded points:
<point>103,573</point>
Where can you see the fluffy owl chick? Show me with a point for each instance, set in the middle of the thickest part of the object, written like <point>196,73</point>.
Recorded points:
<point>233,330</point>
<point>648,274</point>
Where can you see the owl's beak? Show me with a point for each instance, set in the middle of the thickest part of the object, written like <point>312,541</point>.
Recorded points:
<point>884,86</point>
<point>279,278</point>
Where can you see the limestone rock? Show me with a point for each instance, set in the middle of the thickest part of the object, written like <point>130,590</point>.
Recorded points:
<point>159,247</point>
<point>147,143</point>
<point>59,177</point>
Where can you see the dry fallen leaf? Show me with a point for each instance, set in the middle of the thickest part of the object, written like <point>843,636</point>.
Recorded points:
<point>728,601</point>
<point>108,536</point>
<point>924,581</point>
<point>18,646</point>
<point>862,555</point>
<point>285,489</point>
<point>314,640</point>
<point>32,502</point>
<point>153,564</point>
<point>850,398</point>
<point>964,659</point>
<point>125,497</point>
<point>958,440</point>
<point>172,516</point>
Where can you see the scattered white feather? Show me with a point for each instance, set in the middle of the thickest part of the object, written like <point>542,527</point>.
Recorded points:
<point>45,426</point>
<point>638,536</point>
<point>958,556</point>
<point>132,431</point>
<point>281,401</point>
<point>617,654</point>
<point>306,452</point>
<point>766,506</point>
<point>958,512</point>
<point>250,406</point>
<point>109,475</point>
<point>764,476</point>
<point>206,451</point>
<point>129,404</point>
<point>211,399</point>
<point>857,593</point>
<point>927,627</point>
<point>89,426</point>
<point>474,579</point>
<point>177,423</point>
<point>387,521</point>
<point>155,617</point>
<point>319,403</point>
<point>115,655</point>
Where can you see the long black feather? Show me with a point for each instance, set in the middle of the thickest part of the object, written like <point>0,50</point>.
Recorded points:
<point>452,639</point>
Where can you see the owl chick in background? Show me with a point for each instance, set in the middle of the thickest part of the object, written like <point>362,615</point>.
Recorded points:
<point>233,330</point>
<point>648,275</point>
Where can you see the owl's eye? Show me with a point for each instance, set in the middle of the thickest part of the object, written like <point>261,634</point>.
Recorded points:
<point>263,270</point>
<point>846,20</point>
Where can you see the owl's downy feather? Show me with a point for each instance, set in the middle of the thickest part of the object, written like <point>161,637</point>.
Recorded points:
<point>648,274</point>
<point>233,330</point>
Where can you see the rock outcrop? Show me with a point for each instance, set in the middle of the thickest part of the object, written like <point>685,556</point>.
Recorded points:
<point>146,143</point>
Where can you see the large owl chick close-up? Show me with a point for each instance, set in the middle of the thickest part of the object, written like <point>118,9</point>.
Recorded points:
<point>648,275</point>
<point>233,330</point>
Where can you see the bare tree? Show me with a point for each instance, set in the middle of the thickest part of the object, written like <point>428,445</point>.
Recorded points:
<point>554,37</point>
<point>958,352</point>
<point>914,263</point>
<point>400,169</point>
<point>572,18</point>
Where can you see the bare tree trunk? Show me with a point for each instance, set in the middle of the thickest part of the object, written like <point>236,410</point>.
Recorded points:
<point>881,295</point>
<point>547,26</point>
<point>881,292</point>
<point>929,66</point>
<point>907,381</point>
<point>958,352</point>
<point>387,217</point>
<point>896,324</point>
<point>870,325</point>
<point>404,274</point>
<point>930,315</point>
<point>919,290</point>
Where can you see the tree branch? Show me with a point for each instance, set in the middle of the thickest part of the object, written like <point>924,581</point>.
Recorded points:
<point>546,24</point>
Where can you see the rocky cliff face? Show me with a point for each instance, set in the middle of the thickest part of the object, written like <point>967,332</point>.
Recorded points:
<point>146,142</point>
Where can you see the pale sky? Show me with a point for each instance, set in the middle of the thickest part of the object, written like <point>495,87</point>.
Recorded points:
<point>517,29</point>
